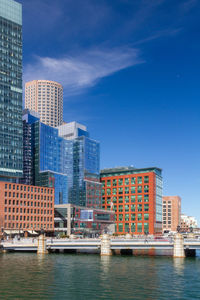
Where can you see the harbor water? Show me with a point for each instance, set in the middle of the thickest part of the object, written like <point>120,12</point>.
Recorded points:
<point>71,276</point>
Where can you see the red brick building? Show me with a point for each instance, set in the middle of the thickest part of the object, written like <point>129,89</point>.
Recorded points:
<point>26,208</point>
<point>136,197</point>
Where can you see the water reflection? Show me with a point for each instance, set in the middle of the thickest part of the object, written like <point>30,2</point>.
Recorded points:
<point>105,263</point>
<point>80,277</point>
<point>179,264</point>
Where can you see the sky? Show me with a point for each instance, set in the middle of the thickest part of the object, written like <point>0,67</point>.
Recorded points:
<point>130,71</point>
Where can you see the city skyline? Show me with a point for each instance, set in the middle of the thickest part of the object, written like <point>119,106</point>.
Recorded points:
<point>136,69</point>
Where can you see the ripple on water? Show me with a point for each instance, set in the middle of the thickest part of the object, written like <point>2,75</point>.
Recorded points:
<point>64,276</point>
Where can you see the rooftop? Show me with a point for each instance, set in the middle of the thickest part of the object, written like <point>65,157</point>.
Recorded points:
<point>129,170</point>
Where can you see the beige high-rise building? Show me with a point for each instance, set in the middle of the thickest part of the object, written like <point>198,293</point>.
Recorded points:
<point>46,98</point>
<point>171,212</point>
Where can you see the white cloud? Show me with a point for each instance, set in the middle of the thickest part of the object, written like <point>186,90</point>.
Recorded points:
<point>81,71</point>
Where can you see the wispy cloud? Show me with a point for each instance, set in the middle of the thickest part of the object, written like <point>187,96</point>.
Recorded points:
<point>81,71</point>
<point>159,34</point>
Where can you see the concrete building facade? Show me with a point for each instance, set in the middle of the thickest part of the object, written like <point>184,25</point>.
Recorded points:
<point>171,213</point>
<point>46,98</point>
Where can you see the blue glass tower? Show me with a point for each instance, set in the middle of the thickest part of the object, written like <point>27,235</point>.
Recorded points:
<point>44,156</point>
<point>82,166</point>
<point>11,133</point>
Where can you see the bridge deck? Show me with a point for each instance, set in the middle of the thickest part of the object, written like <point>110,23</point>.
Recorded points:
<point>90,244</point>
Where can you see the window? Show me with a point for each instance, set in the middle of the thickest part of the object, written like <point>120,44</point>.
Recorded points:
<point>108,183</point>
<point>146,179</point>
<point>132,227</point>
<point>108,192</point>
<point>139,207</point>
<point>120,199</point>
<point>139,180</point>
<point>146,189</point>
<point>133,180</point>
<point>133,190</point>
<point>120,208</point>
<point>120,191</point>
<point>114,182</point>
<point>126,217</point>
<point>132,207</point>
<point>120,181</point>
<point>126,227</point>
<point>146,198</point>
<point>132,198</point>
<point>146,217</point>
<point>146,207</point>
<point>132,217</point>
<point>126,207</point>
<point>139,227</point>
<point>120,217</point>
<point>139,198</point>
<point>146,228</point>
<point>120,227</point>
<point>139,217</point>
<point>139,189</point>
<point>126,190</point>
<point>126,199</point>
<point>126,181</point>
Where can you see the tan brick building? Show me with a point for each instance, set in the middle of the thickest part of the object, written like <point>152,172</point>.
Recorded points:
<point>171,212</point>
<point>26,208</point>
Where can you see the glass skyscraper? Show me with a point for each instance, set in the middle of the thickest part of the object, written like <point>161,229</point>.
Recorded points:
<point>44,156</point>
<point>82,169</point>
<point>71,166</point>
<point>11,133</point>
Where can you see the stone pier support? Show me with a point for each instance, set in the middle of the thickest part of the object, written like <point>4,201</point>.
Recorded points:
<point>178,245</point>
<point>105,245</point>
<point>42,247</point>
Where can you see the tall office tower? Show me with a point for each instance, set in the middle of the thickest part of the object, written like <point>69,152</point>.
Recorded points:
<point>171,213</point>
<point>44,156</point>
<point>136,197</point>
<point>82,165</point>
<point>46,98</point>
<point>11,133</point>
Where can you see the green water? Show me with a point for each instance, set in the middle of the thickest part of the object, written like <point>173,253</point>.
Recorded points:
<point>66,276</point>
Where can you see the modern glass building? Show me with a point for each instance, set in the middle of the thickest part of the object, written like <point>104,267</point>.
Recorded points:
<point>11,132</point>
<point>44,156</point>
<point>82,169</point>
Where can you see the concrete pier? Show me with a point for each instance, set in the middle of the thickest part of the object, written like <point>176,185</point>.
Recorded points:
<point>178,245</point>
<point>105,245</point>
<point>42,247</point>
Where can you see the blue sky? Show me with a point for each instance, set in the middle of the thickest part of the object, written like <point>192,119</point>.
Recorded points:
<point>130,71</point>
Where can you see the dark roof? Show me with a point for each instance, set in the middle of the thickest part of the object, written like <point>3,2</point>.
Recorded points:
<point>128,169</point>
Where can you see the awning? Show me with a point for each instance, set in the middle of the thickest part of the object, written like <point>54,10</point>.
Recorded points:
<point>13,231</point>
<point>32,232</point>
